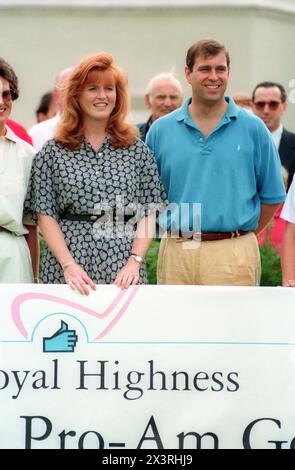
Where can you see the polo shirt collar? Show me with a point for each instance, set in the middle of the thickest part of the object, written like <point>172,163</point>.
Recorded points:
<point>232,109</point>
<point>231,112</point>
<point>183,112</point>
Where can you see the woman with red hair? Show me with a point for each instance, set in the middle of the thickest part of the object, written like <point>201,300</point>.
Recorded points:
<point>95,188</point>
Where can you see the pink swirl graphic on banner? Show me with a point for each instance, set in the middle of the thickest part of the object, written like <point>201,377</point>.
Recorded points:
<point>29,296</point>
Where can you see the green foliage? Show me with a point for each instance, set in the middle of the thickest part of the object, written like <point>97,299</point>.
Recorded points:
<point>270,266</point>
<point>151,261</point>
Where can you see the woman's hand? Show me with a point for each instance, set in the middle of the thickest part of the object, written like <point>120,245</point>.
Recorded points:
<point>129,275</point>
<point>77,278</point>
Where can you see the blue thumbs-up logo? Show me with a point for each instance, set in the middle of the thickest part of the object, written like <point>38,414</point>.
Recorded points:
<point>63,340</point>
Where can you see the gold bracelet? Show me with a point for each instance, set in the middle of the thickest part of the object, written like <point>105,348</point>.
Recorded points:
<point>66,265</point>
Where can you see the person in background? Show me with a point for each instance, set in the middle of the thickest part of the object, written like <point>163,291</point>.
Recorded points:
<point>288,244</point>
<point>88,181</point>
<point>164,94</point>
<point>47,107</point>
<point>244,101</point>
<point>214,153</point>
<point>45,130</point>
<point>19,130</point>
<point>18,241</point>
<point>269,103</point>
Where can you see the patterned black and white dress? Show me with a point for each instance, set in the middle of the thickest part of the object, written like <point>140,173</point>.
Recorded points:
<point>87,182</point>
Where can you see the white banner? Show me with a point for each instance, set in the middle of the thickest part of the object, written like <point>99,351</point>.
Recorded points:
<point>153,367</point>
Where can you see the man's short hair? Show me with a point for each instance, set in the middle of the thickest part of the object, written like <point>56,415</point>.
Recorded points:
<point>7,72</point>
<point>270,85</point>
<point>205,48</point>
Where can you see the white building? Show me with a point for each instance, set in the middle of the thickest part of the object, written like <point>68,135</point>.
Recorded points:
<point>146,37</point>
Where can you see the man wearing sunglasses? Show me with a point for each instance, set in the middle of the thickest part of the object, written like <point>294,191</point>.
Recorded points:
<point>270,103</point>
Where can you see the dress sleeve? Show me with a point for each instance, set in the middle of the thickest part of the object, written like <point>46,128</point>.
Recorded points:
<point>42,195</point>
<point>152,194</point>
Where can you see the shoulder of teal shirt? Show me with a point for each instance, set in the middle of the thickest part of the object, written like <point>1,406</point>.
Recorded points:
<point>159,126</point>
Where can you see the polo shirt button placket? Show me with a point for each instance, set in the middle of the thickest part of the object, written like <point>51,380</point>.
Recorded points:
<point>201,142</point>
<point>206,148</point>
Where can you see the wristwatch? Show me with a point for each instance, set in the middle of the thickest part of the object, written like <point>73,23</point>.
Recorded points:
<point>137,258</point>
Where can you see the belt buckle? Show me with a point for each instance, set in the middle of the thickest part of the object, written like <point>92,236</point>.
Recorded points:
<point>93,217</point>
<point>197,236</point>
<point>235,234</point>
<point>193,242</point>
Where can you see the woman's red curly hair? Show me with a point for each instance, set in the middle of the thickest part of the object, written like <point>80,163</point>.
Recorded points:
<point>70,128</point>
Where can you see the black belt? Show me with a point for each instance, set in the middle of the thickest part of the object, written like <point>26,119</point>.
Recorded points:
<point>104,216</point>
<point>213,236</point>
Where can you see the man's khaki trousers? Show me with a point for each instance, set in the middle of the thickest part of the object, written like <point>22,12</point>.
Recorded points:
<point>230,262</point>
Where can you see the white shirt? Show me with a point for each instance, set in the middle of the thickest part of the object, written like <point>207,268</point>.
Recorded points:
<point>277,135</point>
<point>16,158</point>
<point>288,212</point>
<point>43,131</point>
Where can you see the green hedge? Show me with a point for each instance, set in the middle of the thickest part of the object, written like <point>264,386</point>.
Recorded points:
<point>271,273</point>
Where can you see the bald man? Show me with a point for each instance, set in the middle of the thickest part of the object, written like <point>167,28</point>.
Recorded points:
<point>45,130</point>
<point>164,94</point>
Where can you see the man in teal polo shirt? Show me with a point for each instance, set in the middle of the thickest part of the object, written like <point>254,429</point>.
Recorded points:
<point>215,156</point>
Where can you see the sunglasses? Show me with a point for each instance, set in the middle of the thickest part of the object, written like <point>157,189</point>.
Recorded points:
<point>273,105</point>
<point>6,95</point>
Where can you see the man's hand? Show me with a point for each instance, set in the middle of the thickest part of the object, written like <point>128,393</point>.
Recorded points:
<point>266,214</point>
